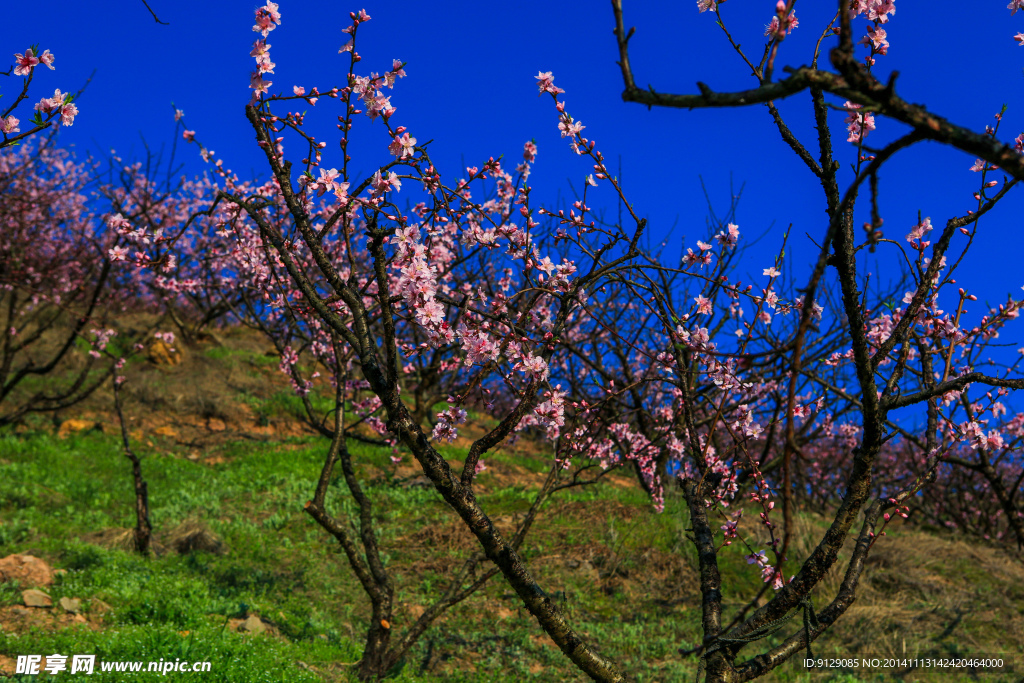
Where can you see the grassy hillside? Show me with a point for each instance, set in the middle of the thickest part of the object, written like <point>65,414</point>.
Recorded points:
<point>625,574</point>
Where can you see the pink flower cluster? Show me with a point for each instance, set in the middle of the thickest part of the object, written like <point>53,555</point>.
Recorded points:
<point>377,104</point>
<point>875,10</point>
<point>782,23</point>
<point>100,340</point>
<point>768,572</point>
<point>267,19</point>
<point>918,232</point>
<point>28,61</point>
<point>857,124</point>
<point>447,421</point>
<point>60,103</point>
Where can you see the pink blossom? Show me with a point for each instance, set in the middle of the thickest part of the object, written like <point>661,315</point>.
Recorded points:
<point>264,65</point>
<point>703,305</point>
<point>530,151</point>
<point>378,105</point>
<point>103,338</point>
<point>260,49</point>
<point>772,272</point>
<point>119,223</point>
<point>327,181</point>
<point>535,367</point>
<point>118,253</point>
<point>402,147</point>
<point>1014,6</point>
<point>382,185</point>
<point>479,346</point>
<point>730,238</point>
<point>551,413</point>
<point>396,72</point>
<point>702,258</point>
<point>47,105</point>
<point>705,5</point>
<point>773,30</point>
<point>993,440</point>
<point>546,83</point>
<point>445,430</point>
<point>881,9</point>
<point>858,125</point>
<point>430,314</point>
<point>67,114</point>
<point>568,127</point>
<point>10,125</point>
<point>730,529</point>
<point>700,338</point>
<point>25,63</point>
<point>267,19</point>
<point>974,434</point>
<point>258,84</point>
<point>46,59</point>
<point>876,37</point>
<point>920,230</point>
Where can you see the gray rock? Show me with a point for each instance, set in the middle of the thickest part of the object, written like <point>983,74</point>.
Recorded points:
<point>36,598</point>
<point>72,605</point>
<point>253,625</point>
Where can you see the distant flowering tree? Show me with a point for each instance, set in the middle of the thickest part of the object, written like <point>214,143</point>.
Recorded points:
<point>57,291</point>
<point>60,337</point>
<point>184,266</point>
<point>55,279</point>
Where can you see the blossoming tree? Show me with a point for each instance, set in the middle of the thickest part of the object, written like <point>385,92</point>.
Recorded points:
<point>898,357</point>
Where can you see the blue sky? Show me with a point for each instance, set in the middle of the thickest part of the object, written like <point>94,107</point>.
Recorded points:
<point>470,87</point>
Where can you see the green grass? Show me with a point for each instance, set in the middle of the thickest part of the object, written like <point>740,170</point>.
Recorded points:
<point>637,598</point>
<point>285,402</point>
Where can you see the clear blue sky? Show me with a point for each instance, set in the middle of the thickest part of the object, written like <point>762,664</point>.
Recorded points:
<point>470,87</point>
